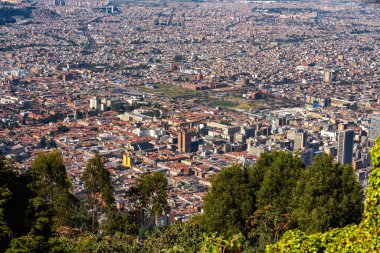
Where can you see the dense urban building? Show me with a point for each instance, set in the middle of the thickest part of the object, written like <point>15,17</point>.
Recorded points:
<point>345,146</point>
<point>187,88</point>
<point>375,126</point>
<point>184,142</point>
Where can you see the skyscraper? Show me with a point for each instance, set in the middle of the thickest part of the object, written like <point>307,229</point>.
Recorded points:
<point>184,142</point>
<point>299,141</point>
<point>375,127</point>
<point>345,146</point>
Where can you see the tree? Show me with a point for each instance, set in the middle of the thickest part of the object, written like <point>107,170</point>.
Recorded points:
<point>61,129</point>
<point>156,51</point>
<point>119,223</point>
<point>266,226</point>
<point>184,235</point>
<point>36,212</point>
<point>148,198</point>
<point>51,186</point>
<point>39,201</point>
<point>25,216</point>
<point>117,107</point>
<point>352,238</point>
<point>274,177</point>
<point>229,202</point>
<point>28,244</point>
<point>93,243</point>
<point>7,176</point>
<point>213,243</point>
<point>42,143</point>
<point>99,190</point>
<point>328,195</point>
<point>179,58</point>
<point>51,143</point>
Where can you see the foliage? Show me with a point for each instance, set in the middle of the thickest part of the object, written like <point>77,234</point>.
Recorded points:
<point>22,215</point>
<point>7,176</point>
<point>353,238</point>
<point>99,190</point>
<point>215,244</point>
<point>178,237</point>
<point>253,200</point>
<point>52,118</point>
<point>97,181</point>
<point>90,243</point>
<point>153,113</point>
<point>258,202</point>
<point>179,58</point>
<point>51,186</point>
<point>148,198</point>
<point>61,129</point>
<point>93,113</point>
<point>328,195</point>
<point>119,223</point>
<point>156,51</point>
<point>266,226</point>
<point>44,143</point>
<point>37,203</point>
<point>274,176</point>
<point>229,202</point>
<point>27,244</point>
<point>37,209</point>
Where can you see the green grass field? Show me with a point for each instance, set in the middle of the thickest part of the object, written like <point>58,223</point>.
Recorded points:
<point>168,90</point>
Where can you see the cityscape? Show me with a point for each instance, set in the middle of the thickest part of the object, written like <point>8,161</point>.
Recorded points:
<point>188,88</point>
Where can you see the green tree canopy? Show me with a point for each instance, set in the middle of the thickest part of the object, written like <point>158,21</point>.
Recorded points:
<point>149,194</point>
<point>186,235</point>
<point>97,181</point>
<point>229,202</point>
<point>274,177</point>
<point>99,190</point>
<point>7,177</point>
<point>179,58</point>
<point>266,226</point>
<point>327,195</point>
<point>353,238</point>
<point>93,243</point>
<point>41,201</point>
<point>48,179</point>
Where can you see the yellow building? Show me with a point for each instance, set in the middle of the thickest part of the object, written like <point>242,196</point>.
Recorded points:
<point>128,160</point>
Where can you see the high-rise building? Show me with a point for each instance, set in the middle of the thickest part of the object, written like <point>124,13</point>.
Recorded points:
<point>345,146</point>
<point>328,76</point>
<point>95,103</point>
<point>184,142</point>
<point>375,127</point>
<point>59,2</point>
<point>300,140</point>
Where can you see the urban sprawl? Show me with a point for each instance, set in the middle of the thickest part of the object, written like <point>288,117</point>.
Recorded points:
<point>188,88</point>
